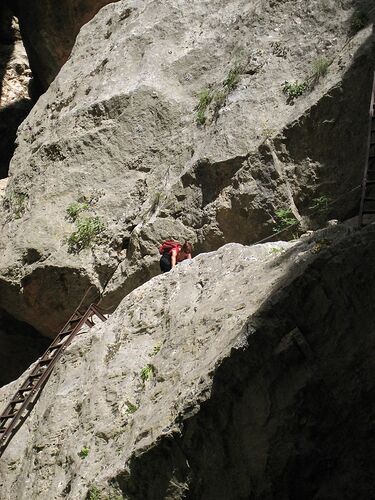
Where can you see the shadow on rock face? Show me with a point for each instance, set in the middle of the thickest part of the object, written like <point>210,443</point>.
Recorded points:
<point>20,346</point>
<point>290,411</point>
<point>10,118</point>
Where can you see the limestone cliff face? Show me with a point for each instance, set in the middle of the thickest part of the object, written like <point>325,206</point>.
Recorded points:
<point>200,386</point>
<point>170,120</point>
<point>49,29</point>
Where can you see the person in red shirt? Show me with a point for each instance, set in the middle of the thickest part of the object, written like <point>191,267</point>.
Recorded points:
<point>173,253</point>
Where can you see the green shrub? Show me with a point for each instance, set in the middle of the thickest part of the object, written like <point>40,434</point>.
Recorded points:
<point>83,453</point>
<point>147,373</point>
<point>358,21</point>
<point>86,233</point>
<point>284,219</point>
<point>294,89</point>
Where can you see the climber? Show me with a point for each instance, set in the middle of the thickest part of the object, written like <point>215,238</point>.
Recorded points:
<point>172,252</point>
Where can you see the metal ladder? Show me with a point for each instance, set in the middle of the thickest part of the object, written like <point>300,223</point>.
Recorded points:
<point>20,406</point>
<point>367,205</point>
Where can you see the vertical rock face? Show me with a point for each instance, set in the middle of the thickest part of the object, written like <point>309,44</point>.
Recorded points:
<point>169,120</point>
<point>49,30</point>
<point>15,75</point>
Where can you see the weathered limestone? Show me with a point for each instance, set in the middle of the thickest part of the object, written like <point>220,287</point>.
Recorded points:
<point>232,404</point>
<point>118,129</point>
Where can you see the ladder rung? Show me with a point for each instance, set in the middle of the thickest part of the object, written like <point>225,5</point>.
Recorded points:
<point>16,401</point>
<point>67,332</point>
<point>8,415</point>
<point>36,375</point>
<point>54,347</point>
<point>2,430</point>
<point>45,361</point>
<point>370,182</point>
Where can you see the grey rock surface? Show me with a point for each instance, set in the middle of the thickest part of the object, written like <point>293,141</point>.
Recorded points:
<point>233,401</point>
<point>118,129</point>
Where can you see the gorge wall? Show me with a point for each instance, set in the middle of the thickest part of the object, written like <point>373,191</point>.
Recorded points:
<point>199,386</point>
<point>170,120</point>
<point>247,372</point>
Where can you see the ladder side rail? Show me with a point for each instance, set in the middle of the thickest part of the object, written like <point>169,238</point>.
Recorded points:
<point>364,181</point>
<point>35,391</point>
<point>98,312</point>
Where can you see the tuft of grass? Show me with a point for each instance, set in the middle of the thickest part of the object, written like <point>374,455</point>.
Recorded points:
<point>359,20</point>
<point>86,233</point>
<point>217,97</point>
<point>130,407</point>
<point>320,68</point>
<point>233,77</point>
<point>284,219</point>
<point>294,89</point>
<point>75,208</point>
<point>83,453</point>
<point>147,372</point>
<point>205,98</point>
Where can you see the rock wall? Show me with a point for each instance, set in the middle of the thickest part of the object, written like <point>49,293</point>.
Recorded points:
<point>49,30</point>
<point>199,386</point>
<point>15,75</point>
<point>169,120</point>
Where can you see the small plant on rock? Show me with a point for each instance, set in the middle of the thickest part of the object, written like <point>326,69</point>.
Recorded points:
<point>233,77</point>
<point>88,230</point>
<point>130,407</point>
<point>19,201</point>
<point>320,68</point>
<point>205,98</point>
<point>83,453</point>
<point>147,373</point>
<point>294,89</point>
<point>93,494</point>
<point>284,220</point>
<point>320,204</point>
<point>75,208</point>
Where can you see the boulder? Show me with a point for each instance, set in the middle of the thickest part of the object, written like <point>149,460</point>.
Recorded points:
<point>244,373</point>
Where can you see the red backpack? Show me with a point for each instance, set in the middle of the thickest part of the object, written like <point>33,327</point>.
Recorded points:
<point>168,245</point>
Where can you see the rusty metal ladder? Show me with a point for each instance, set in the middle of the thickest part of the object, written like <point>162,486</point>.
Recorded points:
<point>367,205</point>
<point>20,406</point>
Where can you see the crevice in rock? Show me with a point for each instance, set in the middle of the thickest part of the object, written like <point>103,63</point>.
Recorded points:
<point>18,92</point>
<point>20,346</point>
